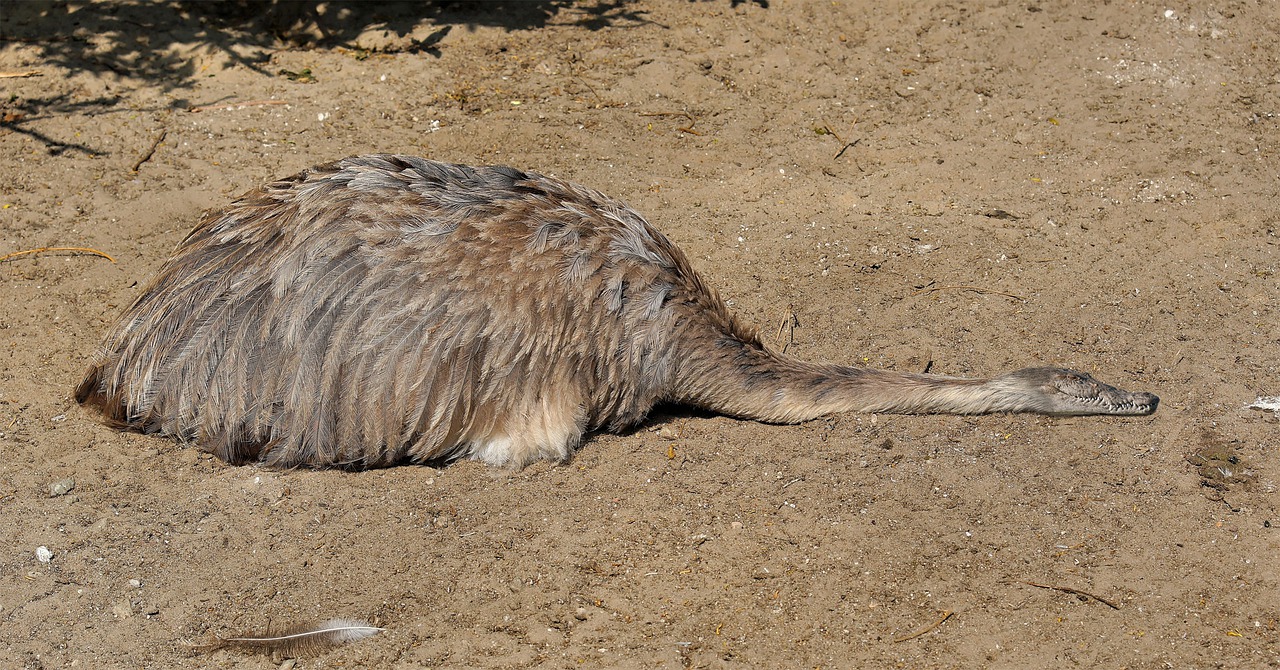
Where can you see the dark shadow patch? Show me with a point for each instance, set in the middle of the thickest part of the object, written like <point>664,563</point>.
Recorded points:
<point>669,416</point>
<point>133,39</point>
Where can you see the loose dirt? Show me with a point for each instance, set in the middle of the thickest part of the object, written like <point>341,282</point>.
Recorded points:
<point>967,187</point>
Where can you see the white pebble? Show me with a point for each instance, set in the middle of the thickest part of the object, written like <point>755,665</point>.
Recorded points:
<point>62,487</point>
<point>43,554</point>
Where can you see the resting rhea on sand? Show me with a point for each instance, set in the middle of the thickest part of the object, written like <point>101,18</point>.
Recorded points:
<point>384,309</point>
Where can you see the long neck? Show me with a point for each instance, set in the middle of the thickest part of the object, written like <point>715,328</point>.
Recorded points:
<point>744,379</point>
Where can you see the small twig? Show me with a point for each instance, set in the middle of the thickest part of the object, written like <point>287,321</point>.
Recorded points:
<point>946,614</point>
<point>601,103</point>
<point>826,130</point>
<point>846,147</point>
<point>1224,501</point>
<point>146,156</point>
<point>684,129</point>
<point>41,250</point>
<point>590,88</point>
<point>1078,592</point>
<point>238,105</point>
<point>21,75</point>
<point>789,323</point>
<point>977,289</point>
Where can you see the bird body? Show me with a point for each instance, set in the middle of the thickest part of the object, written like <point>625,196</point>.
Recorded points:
<point>384,309</point>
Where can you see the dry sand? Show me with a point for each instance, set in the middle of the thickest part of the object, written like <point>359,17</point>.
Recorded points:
<point>972,187</point>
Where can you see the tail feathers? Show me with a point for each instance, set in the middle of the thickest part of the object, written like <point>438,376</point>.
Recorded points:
<point>90,388</point>
<point>92,392</point>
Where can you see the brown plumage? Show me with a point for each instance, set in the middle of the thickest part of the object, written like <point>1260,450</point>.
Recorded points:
<point>382,309</point>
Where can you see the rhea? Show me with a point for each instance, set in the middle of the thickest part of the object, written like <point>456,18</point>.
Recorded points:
<point>385,309</point>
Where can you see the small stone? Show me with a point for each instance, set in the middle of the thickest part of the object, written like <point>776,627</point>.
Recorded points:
<point>135,584</point>
<point>43,554</point>
<point>736,525</point>
<point>62,487</point>
<point>580,614</point>
<point>668,433</point>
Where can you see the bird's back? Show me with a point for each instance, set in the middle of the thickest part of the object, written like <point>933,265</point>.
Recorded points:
<point>387,308</point>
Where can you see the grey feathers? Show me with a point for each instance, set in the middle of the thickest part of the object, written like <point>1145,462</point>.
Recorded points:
<point>387,308</point>
<point>294,641</point>
<point>382,309</point>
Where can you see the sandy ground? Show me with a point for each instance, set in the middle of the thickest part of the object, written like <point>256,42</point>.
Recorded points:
<point>971,187</point>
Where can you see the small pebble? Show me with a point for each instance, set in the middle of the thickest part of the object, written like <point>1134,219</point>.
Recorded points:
<point>43,554</point>
<point>134,583</point>
<point>736,525</point>
<point>667,433</point>
<point>62,487</point>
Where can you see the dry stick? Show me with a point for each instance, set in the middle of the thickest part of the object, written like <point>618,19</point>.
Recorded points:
<point>979,289</point>
<point>827,129</point>
<point>590,88</point>
<point>946,614</point>
<point>846,147</point>
<point>1078,592</point>
<point>41,250</point>
<point>21,75</point>
<point>151,150</point>
<point>599,100</point>
<point>788,324</point>
<point>238,105</point>
<point>684,129</point>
